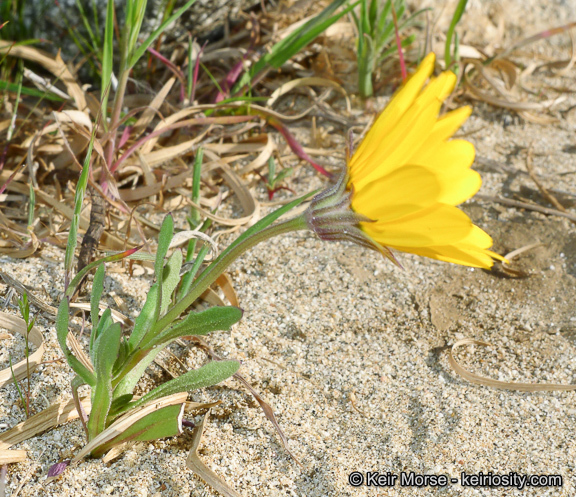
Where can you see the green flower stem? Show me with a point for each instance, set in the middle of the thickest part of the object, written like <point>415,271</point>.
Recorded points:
<point>214,270</point>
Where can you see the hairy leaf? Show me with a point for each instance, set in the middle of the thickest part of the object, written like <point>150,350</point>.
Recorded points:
<point>199,323</point>
<point>105,354</point>
<point>170,278</point>
<point>210,374</point>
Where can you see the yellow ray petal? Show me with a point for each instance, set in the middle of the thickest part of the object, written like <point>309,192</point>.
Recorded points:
<point>450,164</point>
<point>395,149</point>
<point>470,251</point>
<point>438,225</point>
<point>477,238</point>
<point>398,194</point>
<point>457,254</point>
<point>392,150</point>
<point>444,128</point>
<point>403,99</point>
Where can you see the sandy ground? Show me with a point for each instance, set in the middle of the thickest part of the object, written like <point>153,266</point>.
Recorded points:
<point>352,353</point>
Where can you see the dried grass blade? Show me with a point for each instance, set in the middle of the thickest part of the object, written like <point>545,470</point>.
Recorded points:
<point>78,351</point>
<point>570,64</point>
<point>314,81</point>
<point>12,456</point>
<point>146,118</point>
<point>163,155</point>
<point>505,385</point>
<point>76,147</point>
<point>21,289</point>
<point>247,201</point>
<point>212,298</point>
<point>249,204</point>
<point>55,65</point>
<point>15,324</point>
<point>117,316</point>
<point>23,252</point>
<point>148,190</point>
<point>507,100</point>
<point>209,121</point>
<point>517,273</point>
<point>111,241</point>
<point>200,469</point>
<point>525,205</point>
<point>269,413</point>
<point>543,190</point>
<point>186,235</point>
<point>117,451</point>
<point>55,415</point>
<point>531,39</point>
<point>194,406</point>
<point>262,158</point>
<point>506,104</point>
<point>149,178</point>
<point>511,255</point>
<point>74,116</point>
<point>225,283</point>
<point>173,118</point>
<point>232,148</point>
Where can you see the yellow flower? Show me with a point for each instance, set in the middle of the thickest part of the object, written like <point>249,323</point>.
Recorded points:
<point>407,176</point>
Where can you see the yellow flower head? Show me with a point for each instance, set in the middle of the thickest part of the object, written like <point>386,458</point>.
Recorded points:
<point>407,176</point>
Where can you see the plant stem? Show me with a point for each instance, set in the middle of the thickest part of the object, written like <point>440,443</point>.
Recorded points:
<point>212,272</point>
<point>114,120</point>
<point>28,369</point>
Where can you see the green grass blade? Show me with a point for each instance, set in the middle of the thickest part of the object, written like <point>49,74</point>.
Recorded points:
<point>33,92</point>
<point>17,102</point>
<point>196,180</point>
<point>88,27</point>
<point>107,58</point>
<point>460,8</point>
<point>189,276</point>
<point>135,57</point>
<point>301,37</point>
<point>138,10</point>
<point>15,380</point>
<point>164,239</point>
<point>126,385</point>
<point>95,8</point>
<point>190,74</point>
<point>79,198</point>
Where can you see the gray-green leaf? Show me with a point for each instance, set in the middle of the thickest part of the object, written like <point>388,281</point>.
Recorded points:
<point>210,374</point>
<point>198,323</point>
<point>105,354</point>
